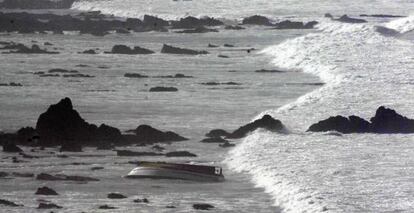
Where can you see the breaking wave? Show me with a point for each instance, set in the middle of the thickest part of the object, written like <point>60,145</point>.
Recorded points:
<point>315,172</point>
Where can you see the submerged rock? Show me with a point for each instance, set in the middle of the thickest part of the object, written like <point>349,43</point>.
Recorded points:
<point>153,21</point>
<point>385,121</point>
<point>176,50</point>
<point>212,46</point>
<point>123,49</point>
<point>58,70</point>
<point>61,177</point>
<point>346,19</point>
<point>234,27</point>
<point>266,122</point>
<point>9,203</point>
<point>198,30</point>
<point>269,71</point>
<point>214,140</point>
<point>135,154</point>
<point>106,207</point>
<point>116,196</point>
<point>257,20</point>
<point>202,206</point>
<point>163,89</point>
<point>134,75</point>
<point>45,191</point>
<point>144,200</point>
<point>48,206</point>
<point>90,51</point>
<point>217,133</point>
<point>180,154</point>
<point>226,145</point>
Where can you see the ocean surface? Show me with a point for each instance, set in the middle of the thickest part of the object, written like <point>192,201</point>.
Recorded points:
<point>300,171</point>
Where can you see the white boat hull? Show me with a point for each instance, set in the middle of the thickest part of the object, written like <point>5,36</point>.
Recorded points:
<point>164,173</point>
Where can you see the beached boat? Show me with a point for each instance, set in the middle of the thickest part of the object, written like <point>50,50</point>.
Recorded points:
<point>163,170</point>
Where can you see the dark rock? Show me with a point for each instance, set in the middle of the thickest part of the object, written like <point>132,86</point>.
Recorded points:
<point>106,134</point>
<point>347,19</point>
<point>123,49</point>
<point>153,21</point>
<point>35,49</point>
<point>78,75</point>
<point>131,153</point>
<point>217,133</point>
<point>341,124</point>
<point>3,174</point>
<point>61,123</point>
<point>97,168</point>
<point>226,145</point>
<point>23,175</point>
<point>61,177</point>
<point>214,140</point>
<point>71,147</point>
<point>198,30</point>
<point>385,121</point>
<point>39,4</point>
<point>147,133</point>
<point>269,71</point>
<point>228,45</point>
<point>90,51</point>
<point>202,206</point>
<point>11,147</point>
<point>135,75</point>
<point>389,121</point>
<point>26,134</point>
<point>144,200</point>
<point>46,191</point>
<point>48,44</point>
<point>175,50</point>
<point>192,22</point>
<point>62,71</point>
<point>266,122</point>
<point>180,154</point>
<point>116,196</point>
<point>122,31</point>
<point>236,27</point>
<point>382,16</point>
<point>163,89</point>
<point>158,148</point>
<point>295,25</point>
<point>9,203</point>
<point>212,46</point>
<point>257,20</point>
<point>50,75</point>
<point>223,56</point>
<point>178,75</point>
<point>11,84</point>
<point>170,207</point>
<point>106,207</point>
<point>48,206</point>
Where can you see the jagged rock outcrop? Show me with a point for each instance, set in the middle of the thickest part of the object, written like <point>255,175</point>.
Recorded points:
<point>193,22</point>
<point>257,20</point>
<point>266,122</point>
<point>217,133</point>
<point>385,121</point>
<point>180,154</point>
<point>163,89</point>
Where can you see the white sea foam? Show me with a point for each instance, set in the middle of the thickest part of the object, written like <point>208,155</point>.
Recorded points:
<point>313,172</point>
<point>402,25</point>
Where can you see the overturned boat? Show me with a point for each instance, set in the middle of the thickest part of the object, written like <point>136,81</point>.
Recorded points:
<point>163,170</point>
